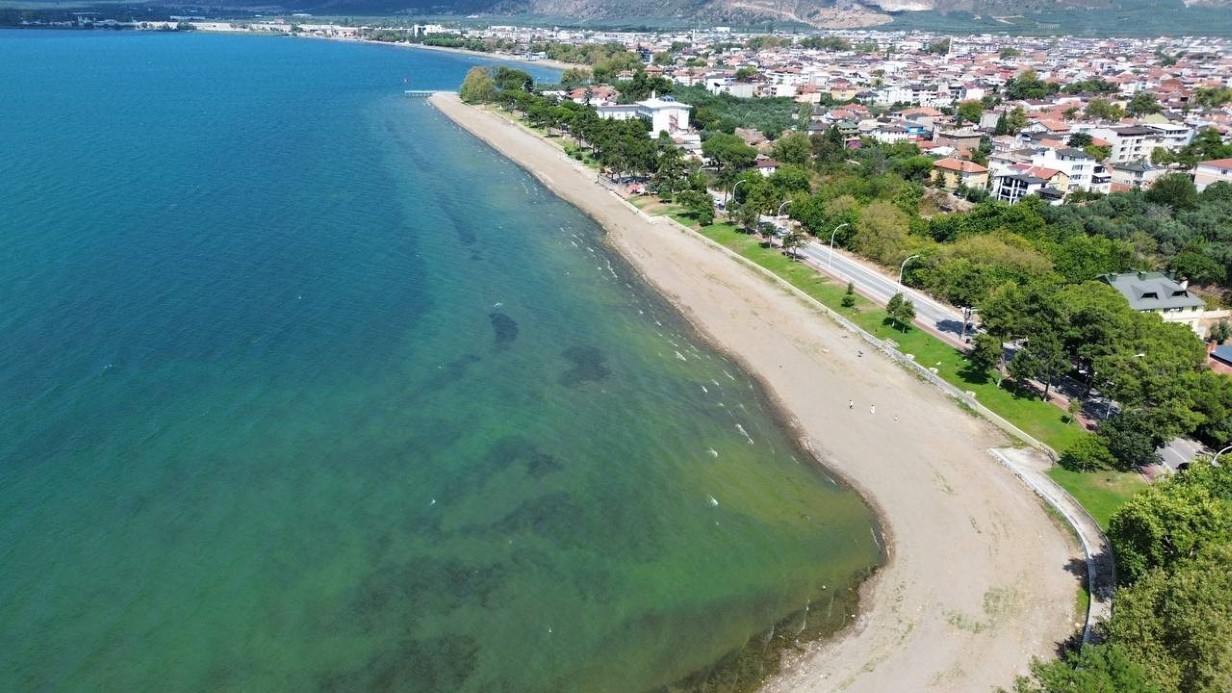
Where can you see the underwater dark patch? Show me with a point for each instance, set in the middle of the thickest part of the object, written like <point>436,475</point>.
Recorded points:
<point>553,516</point>
<point>453,371</point>
<point>511,450</point>
<point>439,664</point>
<point>392,598</point>
<point>541,464</point>
<point>505,330</point>
<point>587,367</point>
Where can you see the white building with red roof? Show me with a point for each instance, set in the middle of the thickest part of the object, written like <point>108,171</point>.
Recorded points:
<point>1211,172</point>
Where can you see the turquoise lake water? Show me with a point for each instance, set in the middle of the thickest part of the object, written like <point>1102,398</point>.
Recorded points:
<point>303,388</point>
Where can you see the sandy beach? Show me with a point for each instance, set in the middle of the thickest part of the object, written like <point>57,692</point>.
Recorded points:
<point>977,579</point>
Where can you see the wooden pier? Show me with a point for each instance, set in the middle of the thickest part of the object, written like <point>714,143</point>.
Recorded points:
<point>421,93</point>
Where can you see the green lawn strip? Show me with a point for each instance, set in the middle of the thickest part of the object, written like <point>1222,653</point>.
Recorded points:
<point>1101,493</point>
<point>1082,600</point>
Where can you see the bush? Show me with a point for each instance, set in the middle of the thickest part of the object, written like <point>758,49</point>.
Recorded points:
<point>849,297</point>
<point>1088,454</point>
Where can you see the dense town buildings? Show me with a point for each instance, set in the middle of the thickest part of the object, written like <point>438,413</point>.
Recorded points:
<point>1028,115</point>
<point>1022,115</point>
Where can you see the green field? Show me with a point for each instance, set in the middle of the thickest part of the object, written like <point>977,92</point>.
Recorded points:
<point>1101,493</point>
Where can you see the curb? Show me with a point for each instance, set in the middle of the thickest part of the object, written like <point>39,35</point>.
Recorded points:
<point>1093,591</point>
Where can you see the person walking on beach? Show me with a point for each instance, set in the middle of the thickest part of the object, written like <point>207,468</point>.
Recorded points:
<point>851,404</point>
<point>872,409</point>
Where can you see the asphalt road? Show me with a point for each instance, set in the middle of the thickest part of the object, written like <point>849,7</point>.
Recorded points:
<point>875,285</point>
<point>1179,452</point>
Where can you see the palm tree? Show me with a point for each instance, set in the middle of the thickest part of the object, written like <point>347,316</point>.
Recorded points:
<point>767,231</point>
<point>746,216</point>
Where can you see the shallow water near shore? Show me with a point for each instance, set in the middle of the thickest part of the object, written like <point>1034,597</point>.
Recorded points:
<point>304,388</point>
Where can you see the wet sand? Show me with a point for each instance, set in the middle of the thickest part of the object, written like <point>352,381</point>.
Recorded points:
<point>977,581</point>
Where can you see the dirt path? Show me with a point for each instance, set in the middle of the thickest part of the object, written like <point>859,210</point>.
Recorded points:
<point>978,579</point>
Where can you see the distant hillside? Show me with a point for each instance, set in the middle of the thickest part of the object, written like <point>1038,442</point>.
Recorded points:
<point>1091,17</point>
<point>1148,16</point>
<point>1095,17</point>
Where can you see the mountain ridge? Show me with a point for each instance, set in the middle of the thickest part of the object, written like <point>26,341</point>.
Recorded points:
<point>1077,17</point>
<point>1169,16</point>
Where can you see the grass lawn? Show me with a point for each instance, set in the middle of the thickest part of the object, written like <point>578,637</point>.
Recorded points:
<point>1101,493</point>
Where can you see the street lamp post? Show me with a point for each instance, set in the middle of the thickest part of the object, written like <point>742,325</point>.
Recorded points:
<point>830,257</point>
<point>732,195</point>
<point>903,267</point>
<point>1215,459</point>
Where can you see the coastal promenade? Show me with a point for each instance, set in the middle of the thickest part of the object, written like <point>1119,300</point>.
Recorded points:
<point>978,577</point>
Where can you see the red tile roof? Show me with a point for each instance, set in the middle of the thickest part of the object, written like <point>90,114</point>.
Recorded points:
<point>960,166</point>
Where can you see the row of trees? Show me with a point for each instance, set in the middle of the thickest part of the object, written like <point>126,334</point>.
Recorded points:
<point>1153,369</point>
<point>605,60</point>
<point>1028,85</point>
<point>1171,226</point>
<point>1028,270</point>
<point>1172,627</point>
<point>619,147</point>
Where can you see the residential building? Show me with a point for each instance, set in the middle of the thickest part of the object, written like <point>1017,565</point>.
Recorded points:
<point>960,140</point>
<point>1012,187</point>
<point>889,133</point>
<point>1129,143</point>
<point>1053,178</point>
<point>1172,135</point>
<point>665,114</point>
<point>766,166</point>
<point>842,90</point>
<point>950,173</point>
<point>1135,176</point>
<point>1211,172</point>
<point>1155,292</point>
<point>1077,165</point>
<point>1101,180</point>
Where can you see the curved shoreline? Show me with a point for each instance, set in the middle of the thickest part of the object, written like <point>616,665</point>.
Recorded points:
<point>973,563</point>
